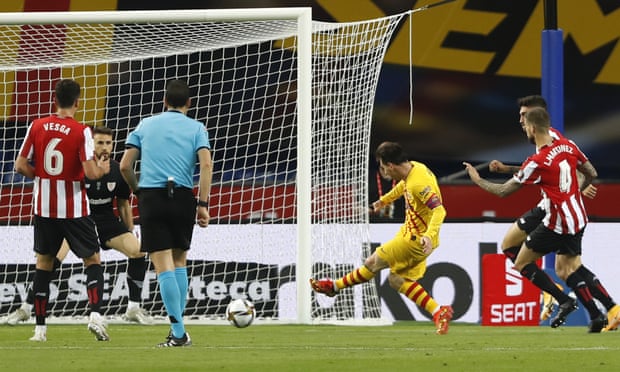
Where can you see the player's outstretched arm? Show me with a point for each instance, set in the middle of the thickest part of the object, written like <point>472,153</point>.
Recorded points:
<point>499,189</point>
<point>497,166</point>
<point>377,205</point>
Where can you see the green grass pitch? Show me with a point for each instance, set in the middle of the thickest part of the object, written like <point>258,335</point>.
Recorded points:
<point>404,346</point>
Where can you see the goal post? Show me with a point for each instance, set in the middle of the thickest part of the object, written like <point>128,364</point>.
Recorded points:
<point>304,169</point>
<point>287,102</point>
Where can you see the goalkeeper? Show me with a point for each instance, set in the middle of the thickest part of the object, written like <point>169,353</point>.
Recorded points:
<point>113,233</point>
<point>406,253</point>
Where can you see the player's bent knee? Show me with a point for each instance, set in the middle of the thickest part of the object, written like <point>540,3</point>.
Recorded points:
<point>127,244</point>
<point>562,274</point>
<point>395,281</point>
<point>514,237</point>
<point>133,251</point>
<point>370,262</point>
<point>92,260</point>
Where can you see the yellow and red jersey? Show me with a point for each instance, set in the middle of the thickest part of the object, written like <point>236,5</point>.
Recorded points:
<point>424,210</point>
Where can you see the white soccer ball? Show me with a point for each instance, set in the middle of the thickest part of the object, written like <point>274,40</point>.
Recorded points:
<point>240,313</point>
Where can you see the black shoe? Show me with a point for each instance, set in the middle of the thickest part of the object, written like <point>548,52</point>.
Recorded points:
<point>172,341</point>
<point>597,324</point>
<point>564,309</point>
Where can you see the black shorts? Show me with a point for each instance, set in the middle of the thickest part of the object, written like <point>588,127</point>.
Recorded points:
<point>81,234</point>
<point>166,223</point>
<point>108,227</point>
<point>531,219</point>
<point>543,240</point>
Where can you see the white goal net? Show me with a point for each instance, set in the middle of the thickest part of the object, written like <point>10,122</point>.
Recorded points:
<point>287,103</point>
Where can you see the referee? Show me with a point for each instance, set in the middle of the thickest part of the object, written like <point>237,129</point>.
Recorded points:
<point>168,145</point>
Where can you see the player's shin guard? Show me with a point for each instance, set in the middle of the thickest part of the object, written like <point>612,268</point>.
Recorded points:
<point>511,253</point>
<point>596,287</point>
<point>136,269</point>
<point>579,286</point>
<point>41,289</point>
<point>357,276</point>
<point>540,279</point>
<point>30,295</point>
<point>94,287</point>
<point>416,293</point>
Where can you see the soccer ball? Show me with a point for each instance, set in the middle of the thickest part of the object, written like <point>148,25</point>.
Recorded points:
<point>240,313</point>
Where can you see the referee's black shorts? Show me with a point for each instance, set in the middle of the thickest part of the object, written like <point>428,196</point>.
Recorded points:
<point>165,222</point>
<point>81,234</point>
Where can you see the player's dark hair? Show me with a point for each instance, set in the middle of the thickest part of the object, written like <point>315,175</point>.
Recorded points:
<point>391,152</point>
<point>539,117</point>
<point>532,101</point>
<point>102,130</point>
<point>67,92</point>
<point>177,93</point>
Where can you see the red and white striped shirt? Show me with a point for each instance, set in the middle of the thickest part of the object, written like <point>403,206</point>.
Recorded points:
<point>57,147</point>
<point>554,168</point>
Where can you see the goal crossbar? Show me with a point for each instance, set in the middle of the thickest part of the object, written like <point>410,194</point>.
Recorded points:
<point>154,16</point>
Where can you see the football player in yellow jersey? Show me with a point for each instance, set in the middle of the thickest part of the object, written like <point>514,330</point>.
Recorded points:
<point>406,253</point>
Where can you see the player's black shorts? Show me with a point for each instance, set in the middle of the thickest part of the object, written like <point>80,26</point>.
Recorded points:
<point>108,227</point>
<point>543,240</point>
<point>80,233</point>
<point>531,219</point>
<point>166,222</point>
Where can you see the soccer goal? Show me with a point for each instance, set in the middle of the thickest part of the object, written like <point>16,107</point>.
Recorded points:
<point>287,103</point>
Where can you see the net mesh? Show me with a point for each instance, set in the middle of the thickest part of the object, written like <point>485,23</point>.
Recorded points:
<point>243,77</point>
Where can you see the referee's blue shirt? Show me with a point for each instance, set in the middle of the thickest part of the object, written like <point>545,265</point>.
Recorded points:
<point>168,143</point>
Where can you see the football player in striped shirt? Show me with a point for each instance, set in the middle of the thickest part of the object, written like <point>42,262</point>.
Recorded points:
<point>114,233</point>
<point>57,153</point>
<point>518,231</point>
<point>554,168</point>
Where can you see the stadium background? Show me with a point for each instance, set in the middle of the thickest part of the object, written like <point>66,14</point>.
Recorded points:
<point>472,60</point>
